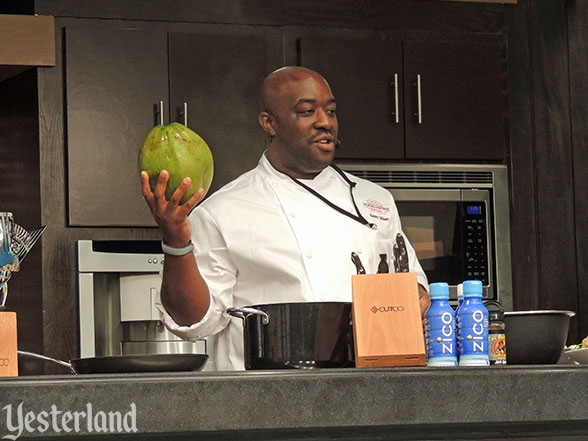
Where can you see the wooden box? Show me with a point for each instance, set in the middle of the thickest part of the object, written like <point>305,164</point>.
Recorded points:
<point>8,354</point>
<point>387,323</point>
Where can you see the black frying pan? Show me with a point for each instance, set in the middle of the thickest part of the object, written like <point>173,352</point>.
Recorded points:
<point>124,364</point>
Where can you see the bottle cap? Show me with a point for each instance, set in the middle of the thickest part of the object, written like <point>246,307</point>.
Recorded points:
<point>472,288</point>
<point>439,291</point>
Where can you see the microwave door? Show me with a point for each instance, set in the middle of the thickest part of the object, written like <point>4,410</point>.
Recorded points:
<point>434,220</point>
<point>431,220</point>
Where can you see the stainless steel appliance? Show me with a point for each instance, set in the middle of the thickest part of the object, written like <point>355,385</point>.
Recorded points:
<point>456,217</point>
<point>118,283</point>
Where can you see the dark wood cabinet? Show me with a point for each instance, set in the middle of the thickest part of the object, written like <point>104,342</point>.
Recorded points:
<point>461,101</point>
<point>218,77</point>
<point>115,82</point>
<point>116,78</point>
<point>361,73</point>
<point>403,99</point>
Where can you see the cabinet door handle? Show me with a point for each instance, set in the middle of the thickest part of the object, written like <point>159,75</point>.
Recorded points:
<point>396,103</point>
<point>184,114</point>
<point>419,100</point>
<point>159,113</point>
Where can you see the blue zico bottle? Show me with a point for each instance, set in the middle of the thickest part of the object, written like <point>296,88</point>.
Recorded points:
<point>472,321</point>
<point>440,328</point>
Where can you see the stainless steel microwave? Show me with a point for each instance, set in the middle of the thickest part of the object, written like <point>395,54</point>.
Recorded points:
<point>456,217</point>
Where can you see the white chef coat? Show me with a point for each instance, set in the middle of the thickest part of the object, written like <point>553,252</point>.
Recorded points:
<point>264,239</point>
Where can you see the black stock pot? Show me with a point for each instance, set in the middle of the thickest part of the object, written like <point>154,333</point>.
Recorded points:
<point>297,335</point>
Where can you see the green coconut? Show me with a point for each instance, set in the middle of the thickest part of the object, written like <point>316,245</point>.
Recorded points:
<point>180,151</point>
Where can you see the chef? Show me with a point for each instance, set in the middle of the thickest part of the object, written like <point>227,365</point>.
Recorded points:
<point>282,232</point>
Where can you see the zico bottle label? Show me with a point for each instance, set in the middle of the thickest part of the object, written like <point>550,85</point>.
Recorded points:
<point>473,334</point>
<point>440,333</point>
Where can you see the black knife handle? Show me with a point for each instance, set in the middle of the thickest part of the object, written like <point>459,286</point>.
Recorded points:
<point>402,254</point>
<point>383,265</point>
<point>357,262</point>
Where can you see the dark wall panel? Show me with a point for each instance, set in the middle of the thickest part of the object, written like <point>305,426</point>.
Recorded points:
<point>19,194</point>
<point>522,163</point>
<point>553,158</point>
<point>578,49</point>
<point>548,81</point>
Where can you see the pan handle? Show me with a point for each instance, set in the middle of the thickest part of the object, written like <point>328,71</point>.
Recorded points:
<point>43,357</point>
<point>245,312</point>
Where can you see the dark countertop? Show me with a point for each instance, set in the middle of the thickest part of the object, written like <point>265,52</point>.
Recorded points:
<point>550,402</point>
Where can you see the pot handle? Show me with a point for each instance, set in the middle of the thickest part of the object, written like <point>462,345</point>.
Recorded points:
<point>245,312</point>
<point>43,357</point>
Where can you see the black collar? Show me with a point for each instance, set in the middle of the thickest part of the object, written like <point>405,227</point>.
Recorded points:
<point>356,217</point>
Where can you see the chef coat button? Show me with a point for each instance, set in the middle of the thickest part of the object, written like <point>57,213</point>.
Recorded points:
<point>309,254</point>
<point>293,214</point>
<point>359,251</point>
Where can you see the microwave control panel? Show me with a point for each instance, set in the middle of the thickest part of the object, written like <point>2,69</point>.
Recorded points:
<point>475,242</point>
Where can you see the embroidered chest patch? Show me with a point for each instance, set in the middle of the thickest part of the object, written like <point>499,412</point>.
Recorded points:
<point>377,209</point>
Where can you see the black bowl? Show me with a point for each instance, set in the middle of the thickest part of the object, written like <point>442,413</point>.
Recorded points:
<point>536,337</point>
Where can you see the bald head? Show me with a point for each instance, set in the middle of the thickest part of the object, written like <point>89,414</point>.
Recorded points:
<point>298,113</point>
<point>272,87</point>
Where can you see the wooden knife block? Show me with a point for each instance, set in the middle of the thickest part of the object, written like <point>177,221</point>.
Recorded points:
<point>8,354</point>
<point>387,323</point>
